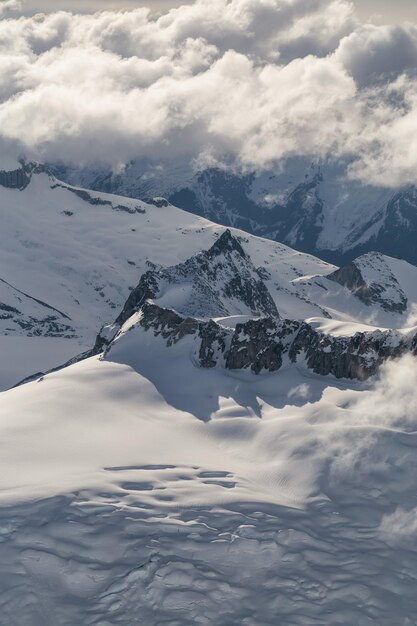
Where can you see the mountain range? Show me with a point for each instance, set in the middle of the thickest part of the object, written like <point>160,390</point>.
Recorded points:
<point>316,208</point>
<point>213,427</point>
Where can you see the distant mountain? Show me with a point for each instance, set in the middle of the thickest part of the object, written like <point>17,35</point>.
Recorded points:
<point>313,208</point>
<point>376,280</point>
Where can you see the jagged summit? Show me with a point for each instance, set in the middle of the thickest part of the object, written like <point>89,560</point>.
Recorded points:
<point>220,281</point>
<point>226,243</point>
<point>181,301</point>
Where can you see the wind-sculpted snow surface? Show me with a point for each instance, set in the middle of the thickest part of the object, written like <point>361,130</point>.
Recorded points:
<point>166,493</point>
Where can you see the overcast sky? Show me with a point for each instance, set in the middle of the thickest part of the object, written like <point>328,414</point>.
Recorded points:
<point>376,10</point>
<point>243,82</point>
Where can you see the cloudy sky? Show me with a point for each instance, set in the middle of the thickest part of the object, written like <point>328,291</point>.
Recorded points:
<point>247,82</point>
<point>377,10</point>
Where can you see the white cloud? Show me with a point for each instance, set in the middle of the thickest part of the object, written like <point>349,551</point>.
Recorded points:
<point>401,524</point>
<point>393,401</point>
<point>254,80</point>
<point>9,5</point>
<point>369,441</point>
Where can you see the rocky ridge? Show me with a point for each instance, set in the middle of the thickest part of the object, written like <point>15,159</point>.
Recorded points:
<point>266,344</point>
<point>21,312</point>
<point>263,343</point>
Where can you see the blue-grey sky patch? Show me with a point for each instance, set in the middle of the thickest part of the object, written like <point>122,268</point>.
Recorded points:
<point>386,10</point>
<point>91,6</point>
<point>379,11</point>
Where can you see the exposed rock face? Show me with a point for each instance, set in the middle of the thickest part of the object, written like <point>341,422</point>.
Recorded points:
<point>370,279</point>
<point>259,344</point>
<point>147,289</point>
<point>265,344</point>
<point>17,179</point>
<point>358,356</point>
<point>350,276</point>
<point>213,343</point>
<point>218,282</point>
<point>21,177</point>
<point>222,279</point>
<point>167,323</point>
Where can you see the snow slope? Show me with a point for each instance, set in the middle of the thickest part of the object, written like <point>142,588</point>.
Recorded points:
<point>314,207</point>
<point>69,258</point>
<point>86,252</point>
<point>23,356</point>
<point>140,489</point>
<point>373,289</point>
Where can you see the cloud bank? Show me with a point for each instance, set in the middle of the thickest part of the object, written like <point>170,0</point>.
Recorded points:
<point>252,81</point>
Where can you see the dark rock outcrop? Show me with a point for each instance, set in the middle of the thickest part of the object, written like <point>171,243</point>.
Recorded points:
<point>21,176</point>
<point>265,344</point>
<point>167,323</point>
<point>16,179</point>
<point>358,356</point>
<point>259,344</point>
<point>146,290</point>
<point>213,342</point>
<point>373,291</point>
<point>224,274</point>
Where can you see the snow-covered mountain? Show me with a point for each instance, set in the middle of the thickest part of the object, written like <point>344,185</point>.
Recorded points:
<point>137,484</point>
<point>221,281</point>
<point>237,446</point>
<point>314,208</point>
<point>232,321</point>
<point>70,257</point>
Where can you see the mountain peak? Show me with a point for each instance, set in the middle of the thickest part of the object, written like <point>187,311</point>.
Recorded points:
<point>370,277</point>
<point>221,281</point>
<point>226,243</point>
